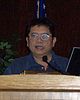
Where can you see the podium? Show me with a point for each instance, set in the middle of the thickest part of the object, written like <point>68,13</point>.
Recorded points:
<point>39,87</point>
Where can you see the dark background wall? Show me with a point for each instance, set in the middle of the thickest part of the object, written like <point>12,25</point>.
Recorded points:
<point>65,13</point>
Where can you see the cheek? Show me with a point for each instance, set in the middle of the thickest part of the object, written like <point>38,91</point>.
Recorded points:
<point>49,44</point>
<point>31,44</point>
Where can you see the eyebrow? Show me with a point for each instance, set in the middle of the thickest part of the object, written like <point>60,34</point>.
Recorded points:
<point>40,33</point>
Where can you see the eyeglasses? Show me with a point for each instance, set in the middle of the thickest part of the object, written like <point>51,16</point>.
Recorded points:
<point>43,36</point>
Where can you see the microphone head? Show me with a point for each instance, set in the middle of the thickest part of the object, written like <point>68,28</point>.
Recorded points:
<point>44,58</point>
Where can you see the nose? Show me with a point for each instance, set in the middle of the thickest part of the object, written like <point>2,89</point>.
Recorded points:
<point>39,39</point>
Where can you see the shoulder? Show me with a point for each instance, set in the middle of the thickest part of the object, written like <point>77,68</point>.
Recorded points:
<point>19,64</point>
<point>59,58</point>
<point>23,59</point>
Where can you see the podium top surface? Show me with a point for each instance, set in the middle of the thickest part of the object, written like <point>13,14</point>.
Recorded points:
<point>39,82</point>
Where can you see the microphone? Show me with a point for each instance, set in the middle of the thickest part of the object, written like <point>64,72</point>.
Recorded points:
<point>45,59</point>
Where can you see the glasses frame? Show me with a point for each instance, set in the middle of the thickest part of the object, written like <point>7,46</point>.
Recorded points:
<point>42,36</point>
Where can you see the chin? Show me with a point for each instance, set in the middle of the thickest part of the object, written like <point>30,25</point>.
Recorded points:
<point>41,53</point>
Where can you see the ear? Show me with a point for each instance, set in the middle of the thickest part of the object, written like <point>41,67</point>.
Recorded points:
<point>54,41</point>
<point>27,40</point>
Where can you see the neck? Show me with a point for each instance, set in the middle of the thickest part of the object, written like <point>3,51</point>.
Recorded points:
<point>39,57</point>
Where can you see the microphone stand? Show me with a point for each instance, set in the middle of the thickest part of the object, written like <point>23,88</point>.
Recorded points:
<point>44,58</point>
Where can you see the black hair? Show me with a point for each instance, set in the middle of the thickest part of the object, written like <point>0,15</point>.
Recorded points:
<point>40,22</point>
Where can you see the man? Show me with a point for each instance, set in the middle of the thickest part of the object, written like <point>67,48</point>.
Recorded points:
<point>41,38</point>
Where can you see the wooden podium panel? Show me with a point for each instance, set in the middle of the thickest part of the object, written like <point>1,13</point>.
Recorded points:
<point>39,87</point>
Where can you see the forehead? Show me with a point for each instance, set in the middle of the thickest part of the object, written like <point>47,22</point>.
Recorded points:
<point>39,29</point>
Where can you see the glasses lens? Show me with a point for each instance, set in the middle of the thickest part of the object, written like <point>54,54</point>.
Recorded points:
<point>34,35</point>
<point>45,36</point>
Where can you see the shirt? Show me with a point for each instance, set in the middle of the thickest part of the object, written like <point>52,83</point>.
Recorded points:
<point>28,63</point>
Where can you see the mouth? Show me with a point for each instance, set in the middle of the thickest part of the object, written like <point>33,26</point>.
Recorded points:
<point>39,47</point>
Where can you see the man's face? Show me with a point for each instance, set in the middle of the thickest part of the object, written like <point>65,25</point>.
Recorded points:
<point>40,40</point>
